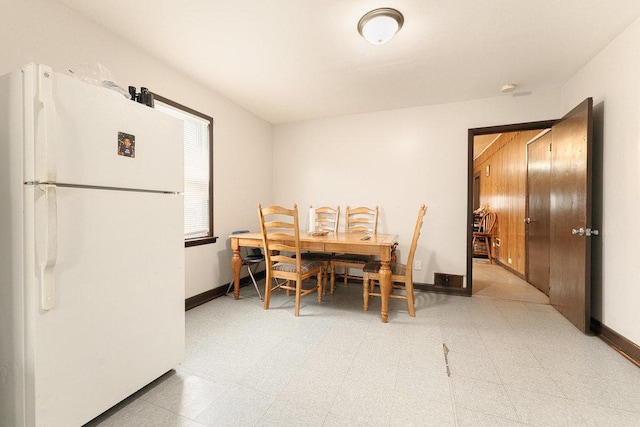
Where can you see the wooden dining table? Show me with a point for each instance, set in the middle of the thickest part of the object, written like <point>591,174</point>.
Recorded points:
<point>379,245</point>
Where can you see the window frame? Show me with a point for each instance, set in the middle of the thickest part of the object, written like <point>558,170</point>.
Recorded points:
<point>210,238</point>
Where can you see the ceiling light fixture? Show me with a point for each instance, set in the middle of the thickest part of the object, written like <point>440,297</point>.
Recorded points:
<point>380,25</point>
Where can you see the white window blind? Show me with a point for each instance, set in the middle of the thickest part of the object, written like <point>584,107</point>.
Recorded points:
<point>196,171</point>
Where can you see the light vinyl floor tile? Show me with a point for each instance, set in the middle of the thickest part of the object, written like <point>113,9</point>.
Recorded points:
<point>512,360</point>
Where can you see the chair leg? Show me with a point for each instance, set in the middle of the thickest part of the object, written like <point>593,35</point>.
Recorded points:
<point>231,282</point>
<point>229,287</point>
<point>321,280</point>
<point>267,290</point>
<point>298,292</point>
<point>408,286</point>
<point>253,279</point>
<point>365,291</point>
<point>333,278</point>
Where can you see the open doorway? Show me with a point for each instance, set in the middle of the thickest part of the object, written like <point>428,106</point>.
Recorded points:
<point>570,210</point>
<point>498,182</point>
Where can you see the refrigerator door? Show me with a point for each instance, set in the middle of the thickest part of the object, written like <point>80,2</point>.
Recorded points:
<point>81,134</point>
<point>117,318</point>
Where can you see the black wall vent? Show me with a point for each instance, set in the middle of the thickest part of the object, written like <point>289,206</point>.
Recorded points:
<point>447,280</point>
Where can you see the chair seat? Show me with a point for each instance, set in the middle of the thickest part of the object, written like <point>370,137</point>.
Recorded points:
<point>305,265</point>
<point>353,258</point>
<point>316,256</point>
<point>396,268</point>
<point>480,234</point>
<point>253,259</point>
<point>347,261</point>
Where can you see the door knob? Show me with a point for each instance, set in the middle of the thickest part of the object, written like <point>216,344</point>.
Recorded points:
<point>585,232</point>
<point>527,220</point>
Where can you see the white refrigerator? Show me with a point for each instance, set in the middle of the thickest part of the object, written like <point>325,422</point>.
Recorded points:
<point>91,248</point>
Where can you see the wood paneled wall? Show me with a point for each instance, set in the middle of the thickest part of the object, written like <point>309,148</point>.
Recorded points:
<point>504,192</point>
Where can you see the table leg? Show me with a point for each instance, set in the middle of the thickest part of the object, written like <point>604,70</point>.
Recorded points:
<point>236,266</point>
<point>385,288</point>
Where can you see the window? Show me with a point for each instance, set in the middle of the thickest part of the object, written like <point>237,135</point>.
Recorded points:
<point>198,171</point>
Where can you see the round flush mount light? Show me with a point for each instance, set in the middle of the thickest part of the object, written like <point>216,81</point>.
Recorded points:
<point>510,87</point>
<point>380,25</point>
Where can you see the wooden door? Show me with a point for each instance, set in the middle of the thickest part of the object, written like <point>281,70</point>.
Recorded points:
<point>537,221</point>
<point>570,209</point>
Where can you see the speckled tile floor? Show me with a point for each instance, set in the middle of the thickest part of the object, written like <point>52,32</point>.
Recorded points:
<point>460,362</point>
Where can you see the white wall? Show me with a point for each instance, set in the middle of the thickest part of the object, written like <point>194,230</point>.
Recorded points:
<point>397,160</point>
<point>613,80</point>
<point>49,33</point>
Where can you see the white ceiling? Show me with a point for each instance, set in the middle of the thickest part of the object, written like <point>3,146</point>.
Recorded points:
<point>291,60</point>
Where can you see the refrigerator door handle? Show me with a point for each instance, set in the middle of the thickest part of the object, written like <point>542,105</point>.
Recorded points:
<point>45,97</point>
<point>48,264</point>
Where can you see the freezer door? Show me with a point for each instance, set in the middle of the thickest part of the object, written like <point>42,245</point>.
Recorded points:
<point>117,321</point>
<point>88,135</point>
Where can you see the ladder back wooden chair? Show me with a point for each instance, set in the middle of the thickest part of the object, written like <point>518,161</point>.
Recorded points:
<point>326,221</point>
<point>281,241</point>
<point>483,238</point>
<point>401,274</point>
<point>362,220</point>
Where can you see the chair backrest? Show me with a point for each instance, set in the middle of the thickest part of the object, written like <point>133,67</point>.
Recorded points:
<point>280,235</point>
<point>487,222</point>
<point>327,219</point>
<point>361,220</point>
<point>414,242</point>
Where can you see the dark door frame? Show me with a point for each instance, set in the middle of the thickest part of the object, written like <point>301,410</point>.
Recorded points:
<point>468,291</point>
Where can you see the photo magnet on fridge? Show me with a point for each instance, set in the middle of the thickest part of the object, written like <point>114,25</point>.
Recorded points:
<point>126,145</point>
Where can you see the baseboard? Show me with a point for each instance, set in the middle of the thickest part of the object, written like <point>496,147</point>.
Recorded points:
<point>428,287</point>
<point>624,346</point>
<point>214,293</point>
